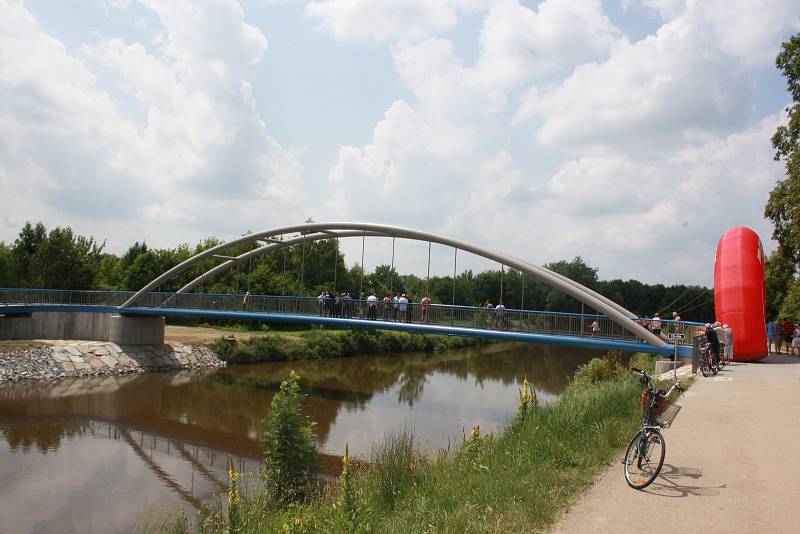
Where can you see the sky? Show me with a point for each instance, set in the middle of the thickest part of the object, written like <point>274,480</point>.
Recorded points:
<point>632,133</point>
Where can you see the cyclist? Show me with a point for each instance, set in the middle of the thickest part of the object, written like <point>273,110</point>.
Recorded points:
<point>711,335</point>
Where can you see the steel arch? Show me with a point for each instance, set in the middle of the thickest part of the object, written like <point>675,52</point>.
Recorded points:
<point>317,231</point>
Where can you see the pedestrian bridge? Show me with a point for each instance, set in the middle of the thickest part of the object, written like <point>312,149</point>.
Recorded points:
<point>616,328</point>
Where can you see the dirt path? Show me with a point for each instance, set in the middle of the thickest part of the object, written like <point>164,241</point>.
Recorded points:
<point>732,462</point>
<point>198,335</point>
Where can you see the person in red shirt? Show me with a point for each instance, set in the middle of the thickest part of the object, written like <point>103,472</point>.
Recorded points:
<point>788,333</point>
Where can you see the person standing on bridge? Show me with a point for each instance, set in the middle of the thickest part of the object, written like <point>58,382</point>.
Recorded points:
<point>796,340</point>
<point>489,313</point>
<point>770,335</point>
<point>595,328</point>
<point>728,343</point>
<point>245,300</point>
<point>426,305</point>
<point>500,312</point>
<point>402,308</point>
<point>677,326</point>
<point>788,334</point>
<point>655,324</point>
<point>372,306</point>
<point>387,307</point>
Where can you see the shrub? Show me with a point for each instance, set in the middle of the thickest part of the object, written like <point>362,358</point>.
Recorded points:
<point>322,345</point>
<point>645,361</point>
<point>292,460</point>
<point>599,369</point>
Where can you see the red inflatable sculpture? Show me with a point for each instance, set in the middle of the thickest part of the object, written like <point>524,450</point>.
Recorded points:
<point>740,292</point>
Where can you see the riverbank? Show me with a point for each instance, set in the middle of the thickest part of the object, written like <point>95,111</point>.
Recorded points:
<point>56,360</point>
<point>518,480</point>
<point>190,348</point>
<point>320,344</point>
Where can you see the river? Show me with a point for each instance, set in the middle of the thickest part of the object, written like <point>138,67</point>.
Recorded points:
<point>98,454</point>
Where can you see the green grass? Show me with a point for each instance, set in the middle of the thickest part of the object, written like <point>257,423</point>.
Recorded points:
<point>519,480</point>
<point>319,344</point>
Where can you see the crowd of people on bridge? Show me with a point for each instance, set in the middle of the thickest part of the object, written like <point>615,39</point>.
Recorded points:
<point>783,333</point>
<point>399,307</point>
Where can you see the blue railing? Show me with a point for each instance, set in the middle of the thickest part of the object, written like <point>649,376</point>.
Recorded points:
<point>505,320</point>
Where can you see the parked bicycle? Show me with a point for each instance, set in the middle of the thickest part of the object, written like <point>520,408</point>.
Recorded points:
<point>708,364</point>
<point>645,455</point>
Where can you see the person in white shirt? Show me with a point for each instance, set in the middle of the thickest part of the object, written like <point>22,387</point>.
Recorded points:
<point>655,324</point>
<point>595,328</point>
<point>500,315</point>
<point>728,343</point>
<point>402,306</point>
<point>372,306</point>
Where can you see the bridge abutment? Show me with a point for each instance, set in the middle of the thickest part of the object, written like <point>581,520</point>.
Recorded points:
<point>127,330</point>
<point>123,330</point>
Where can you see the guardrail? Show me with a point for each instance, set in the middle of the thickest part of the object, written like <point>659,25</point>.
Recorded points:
<point>514,320</point>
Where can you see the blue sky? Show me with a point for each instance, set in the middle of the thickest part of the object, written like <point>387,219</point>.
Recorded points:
<point>630,132</point>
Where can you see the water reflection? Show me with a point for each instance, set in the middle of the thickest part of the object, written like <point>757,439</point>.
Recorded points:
<point>98,433</point>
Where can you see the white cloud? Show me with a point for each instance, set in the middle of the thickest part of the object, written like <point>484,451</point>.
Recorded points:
<point>662,212</point>
<point>427,153</point>
<point>518,42</point>
<point>387,20</point>
<point>201,147</point>
<point>752,30</point>
<point>660,133</point>
<point>656,91</point>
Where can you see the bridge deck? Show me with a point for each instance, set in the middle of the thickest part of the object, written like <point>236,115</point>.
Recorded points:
<point>507,324</point>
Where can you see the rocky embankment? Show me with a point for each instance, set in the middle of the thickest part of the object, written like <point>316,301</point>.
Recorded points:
<point>54,360</point>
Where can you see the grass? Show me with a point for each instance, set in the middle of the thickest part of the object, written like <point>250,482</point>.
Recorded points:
<point>319,344</point>
<point>519,480</point>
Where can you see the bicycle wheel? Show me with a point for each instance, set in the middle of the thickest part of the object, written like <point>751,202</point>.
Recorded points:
<point>704,366</point>
<point>644,458</point>
<point>714,367</point>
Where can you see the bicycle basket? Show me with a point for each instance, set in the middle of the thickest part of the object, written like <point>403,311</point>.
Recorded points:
<point>664,410</point>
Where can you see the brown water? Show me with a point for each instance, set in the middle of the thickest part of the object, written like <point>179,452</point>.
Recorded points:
<point>99,454</point>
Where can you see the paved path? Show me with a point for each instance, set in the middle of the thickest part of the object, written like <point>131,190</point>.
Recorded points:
<point>738,471</point>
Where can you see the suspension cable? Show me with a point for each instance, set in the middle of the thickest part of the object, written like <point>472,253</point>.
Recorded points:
<point>363,241</point>
<point>455,262</point>
<point>335,261</point>
<point>502,274</point>
<point>391,270</point>
<point>428,277</point>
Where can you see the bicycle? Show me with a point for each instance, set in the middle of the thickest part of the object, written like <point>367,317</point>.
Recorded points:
<point>707,363</point>
<point>645,454</point>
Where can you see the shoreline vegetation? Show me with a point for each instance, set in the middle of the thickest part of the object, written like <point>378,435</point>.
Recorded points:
<point>317,344</point>
<point>519,479</point>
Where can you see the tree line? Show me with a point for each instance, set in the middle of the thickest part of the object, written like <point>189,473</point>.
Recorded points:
<point>783,206</point>
<point>61,259</point>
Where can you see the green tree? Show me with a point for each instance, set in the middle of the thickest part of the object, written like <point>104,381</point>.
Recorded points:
<point>23,255</point>
<point>576,270</point>
<point>292,459</point>
<point>783,206</point>
<point>779,273</point>
<point>6,280</point>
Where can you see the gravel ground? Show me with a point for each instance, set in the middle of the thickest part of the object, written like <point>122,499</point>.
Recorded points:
<point>29,361</point>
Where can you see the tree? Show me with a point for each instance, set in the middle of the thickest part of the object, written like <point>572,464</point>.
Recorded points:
<point>783,206</point>
<point>6,279</point>
<point>576,270</point>
<point>779,274</point>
